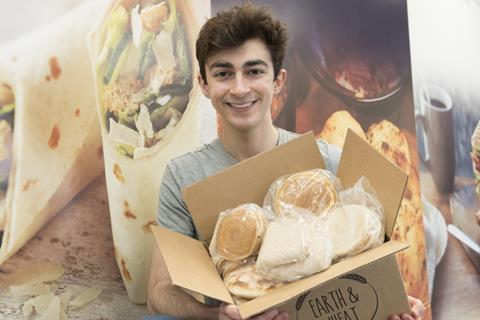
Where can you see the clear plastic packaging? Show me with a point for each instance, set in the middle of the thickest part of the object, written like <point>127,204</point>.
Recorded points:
<point>357,222</point>
<point>239,233</point>
<point>315,190</point>
<point>246,283</point>
<point>295,246</point>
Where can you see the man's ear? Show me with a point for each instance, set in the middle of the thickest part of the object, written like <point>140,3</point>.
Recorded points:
<point>203,86</point>
<point>279,82</point>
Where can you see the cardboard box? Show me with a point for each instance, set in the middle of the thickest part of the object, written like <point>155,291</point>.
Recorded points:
<point>366,286</point>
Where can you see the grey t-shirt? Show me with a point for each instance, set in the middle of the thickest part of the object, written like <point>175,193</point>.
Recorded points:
<point>204,162</point>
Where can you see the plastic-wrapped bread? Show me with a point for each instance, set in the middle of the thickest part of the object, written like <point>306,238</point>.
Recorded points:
<point>238,233</point>
<point>294,247</point>
<point>357,224</point>
<point>315,190</point>
<point>224,266</point>
<point>246,283</point>
<point>354,228</point>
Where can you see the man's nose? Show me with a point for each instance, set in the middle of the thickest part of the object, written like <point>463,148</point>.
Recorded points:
<point>240,85</point>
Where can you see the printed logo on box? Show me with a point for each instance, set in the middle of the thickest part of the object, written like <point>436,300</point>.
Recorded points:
<point>352,298</point>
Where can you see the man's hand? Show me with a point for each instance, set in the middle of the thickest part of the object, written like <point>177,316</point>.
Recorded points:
<point>230,312</point>
<point>417,310</point>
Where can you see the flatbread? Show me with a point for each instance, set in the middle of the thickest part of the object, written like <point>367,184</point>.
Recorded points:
<point>239,232</point>
<point>336,127</point>
<point>294,247</point>
<point>409,225</point>
<point>144,122</point>
<point>312,190</point>
<point>354,229</point>
<point>56,148</point>
<point>245,282</point>
<point>391,142</point>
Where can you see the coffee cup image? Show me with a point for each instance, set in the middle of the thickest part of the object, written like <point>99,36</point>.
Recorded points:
<point>436,127</point>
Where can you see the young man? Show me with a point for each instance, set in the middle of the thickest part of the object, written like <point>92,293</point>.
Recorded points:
<point>240,54</point>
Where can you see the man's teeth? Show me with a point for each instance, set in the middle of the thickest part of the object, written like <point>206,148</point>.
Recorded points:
<point>241,105</point>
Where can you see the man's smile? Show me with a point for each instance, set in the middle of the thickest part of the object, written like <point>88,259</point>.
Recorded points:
<point>241,106</point>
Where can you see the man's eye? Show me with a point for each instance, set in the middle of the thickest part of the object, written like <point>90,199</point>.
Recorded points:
<point>255,72</point>
<point>221,74</point>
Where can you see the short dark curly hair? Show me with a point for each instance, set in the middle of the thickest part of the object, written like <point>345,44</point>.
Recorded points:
<point>232,28</point>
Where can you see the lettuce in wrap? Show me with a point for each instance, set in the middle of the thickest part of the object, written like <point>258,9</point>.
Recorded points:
<point>145,70</point>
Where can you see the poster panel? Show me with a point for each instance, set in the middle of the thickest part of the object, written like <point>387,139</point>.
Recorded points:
<point>348,66</point>
<point>445,48</point>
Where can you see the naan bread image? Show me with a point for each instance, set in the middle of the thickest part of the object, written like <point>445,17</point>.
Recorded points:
<point>143,58</point>
<point>336,127</point>
<point>400,148</point>
<point>314,190</point>
<point>245,282</point>
<point>391,142</point>
<point>354,229</point>
<point>51,143</point>
<point>239,232</point>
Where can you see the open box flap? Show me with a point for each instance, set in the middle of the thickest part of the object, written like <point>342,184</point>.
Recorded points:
<point>361,159</point>
<point>248,181</point>
<point>189,264</point>
<point>280,295</point>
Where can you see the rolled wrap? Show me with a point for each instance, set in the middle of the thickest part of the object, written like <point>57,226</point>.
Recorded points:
<point>56,138</point>
<point>138,75</point>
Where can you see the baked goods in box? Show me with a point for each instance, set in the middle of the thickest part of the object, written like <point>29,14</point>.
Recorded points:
<point>357,223</point>
<point>295,246</point>
<point>246,283</point>
<point>354,228</point>
<point>315,190</point>
<point>239,232</point>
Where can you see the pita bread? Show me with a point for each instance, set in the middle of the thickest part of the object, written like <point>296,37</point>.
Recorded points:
<point>224,266</point>
<point>335,129</point>
<point>313,190</point>
<point>354,229</point>
<point>245,282</point>
<point>294,247</point>
<point>56,148</point>
<point>239,232</point>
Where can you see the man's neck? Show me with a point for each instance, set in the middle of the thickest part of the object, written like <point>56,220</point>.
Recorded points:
<point>245,144</point>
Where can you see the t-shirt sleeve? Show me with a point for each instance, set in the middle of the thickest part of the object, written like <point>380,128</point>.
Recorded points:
<point>172,210</point>
<point>331,155</point>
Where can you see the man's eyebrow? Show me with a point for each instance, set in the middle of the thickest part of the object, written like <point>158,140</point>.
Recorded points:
<point>252,63</point>
<point>220,64</point>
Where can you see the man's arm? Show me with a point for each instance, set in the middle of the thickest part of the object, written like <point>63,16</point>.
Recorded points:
<point>165,298</point>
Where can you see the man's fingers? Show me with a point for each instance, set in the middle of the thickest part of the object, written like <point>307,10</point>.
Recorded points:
<point>417,307</point>
<point>406,317</point>
<point>269,315</point>
<point>282,316</point>
<point>228,311</point>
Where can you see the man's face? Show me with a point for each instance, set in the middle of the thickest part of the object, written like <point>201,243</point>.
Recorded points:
<point>241,85</point>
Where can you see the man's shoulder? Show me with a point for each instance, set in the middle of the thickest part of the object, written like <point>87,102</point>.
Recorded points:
<point>193,157</point>
<point>197,164</point>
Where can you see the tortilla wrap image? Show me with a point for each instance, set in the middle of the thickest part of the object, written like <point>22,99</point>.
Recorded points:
<point>143,57</point>
<point>49,134</point>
